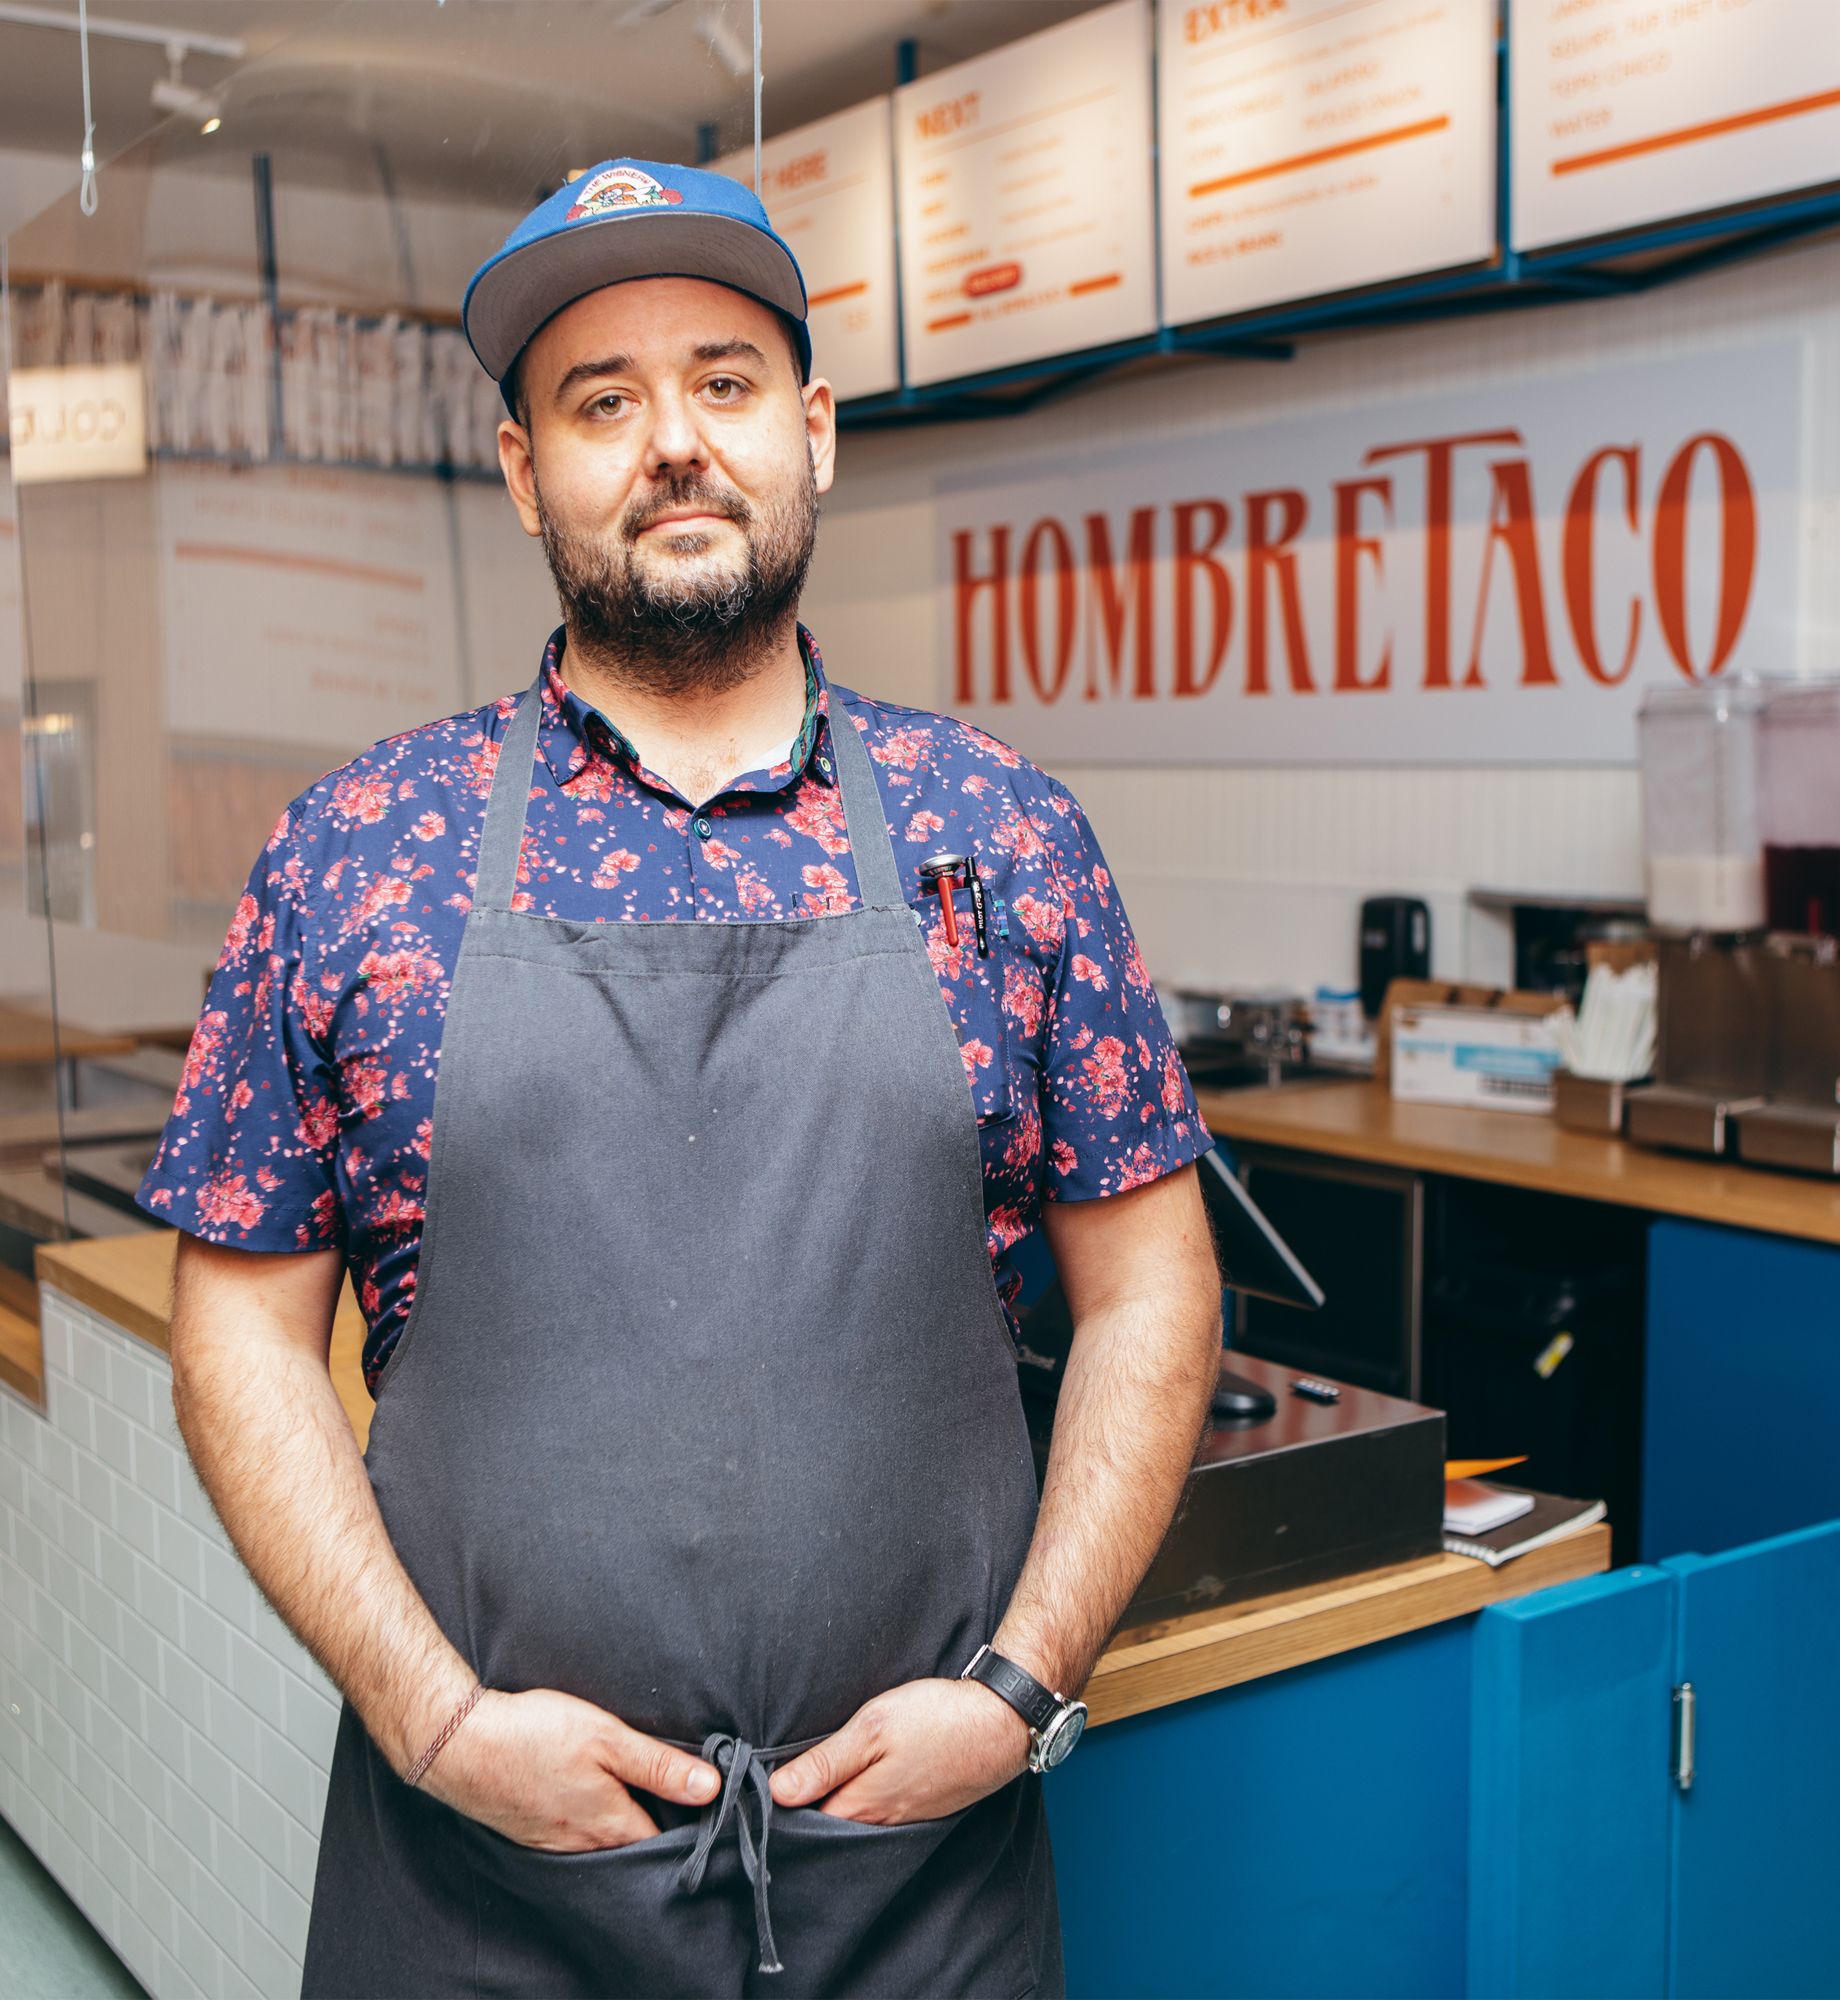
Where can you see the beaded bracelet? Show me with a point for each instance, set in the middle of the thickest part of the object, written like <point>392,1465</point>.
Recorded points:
<point>453,1722</point>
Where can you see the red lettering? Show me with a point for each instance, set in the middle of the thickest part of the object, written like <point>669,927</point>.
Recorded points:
<point>1439,454</point>
<point>1737,551</point>
<point>1197,553</point>
<point>1511,528</point>
<point>1578,554</point>
<point>1118,600</point>
<point>1047,532</point>
<point>1351,549</point>
<point>1270,555</point>
<point>966,590</point>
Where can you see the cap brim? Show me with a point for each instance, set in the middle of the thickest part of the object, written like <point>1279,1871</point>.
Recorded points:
<point>514,295</point>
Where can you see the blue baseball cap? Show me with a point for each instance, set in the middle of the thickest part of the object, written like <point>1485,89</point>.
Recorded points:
<point>628,219</point>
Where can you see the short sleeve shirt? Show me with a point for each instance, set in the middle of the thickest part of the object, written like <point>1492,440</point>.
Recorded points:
<point>306,1111</point>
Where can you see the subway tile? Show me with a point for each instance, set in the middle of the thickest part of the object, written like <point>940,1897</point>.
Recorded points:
<point>129,1816</point>
<point>29,1552</point>
<point>181,1547</point>
<point>58,1740</point>
<point>116,1565</point>
<point>54,1333</point>
<point>139,1641</point>
<point>85,1655</point>
<point>165,1728</point>
<point>256,1675</point>
<point>159,1604</point>
<point>211,1774</point>
<point>276,1640</point>
<point>100,1612</point>
<point>152,1902</point>
<point>91,1778</point>
<point>272,1974</point>
<point>78,1535</point>
<point>217,1913</point>
<point>148,1777</point>
<point>134,1943</point>
<point>62,1575</point>
<point>173,1864</point>
<point>285,1916</point>
<point>184,1685</point>
<point>291,1779</point>
<point>310,1718</point>
<point>12,1480</point>
<point>261,1821</point>
<point>175,1983</point>
<point>89,1358</point>
<point>195,1507</point>
<point>104,1730</point>
<point>227,1587</point>
<point>193,1822</point>
<point>303,1852</point>
<point>207,1638</point>
<point>240,1869</point>
<point>156,1469</point>
<point>235,1728</point>
<point>134,1519</point>
<point>114,1440</point>
<point>97,1491</point>
<point>59,1463</point>
<point>140,1654</point>
<point>72,1411</point>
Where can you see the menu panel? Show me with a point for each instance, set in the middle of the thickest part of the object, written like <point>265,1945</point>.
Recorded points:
<point>1629,112</point>
<point>830,193</point>
<point>1313,146</point>
<point>1023,180</point>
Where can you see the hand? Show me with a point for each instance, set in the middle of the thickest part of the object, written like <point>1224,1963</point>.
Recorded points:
<point>920,1751</point>
<point>551,1771</point>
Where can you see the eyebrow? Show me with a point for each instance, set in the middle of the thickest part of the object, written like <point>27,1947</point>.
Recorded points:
<point>621,364</point>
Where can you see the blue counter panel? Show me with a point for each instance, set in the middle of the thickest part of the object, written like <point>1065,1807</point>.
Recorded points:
<point>1742,1393</point>
<point>1301,1835</point>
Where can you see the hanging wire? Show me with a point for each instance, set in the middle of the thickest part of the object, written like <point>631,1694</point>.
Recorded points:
<point>86,192</point>
<point>758,188</point>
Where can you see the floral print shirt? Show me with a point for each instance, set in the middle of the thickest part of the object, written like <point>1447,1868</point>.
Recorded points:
<point>304,1117</point>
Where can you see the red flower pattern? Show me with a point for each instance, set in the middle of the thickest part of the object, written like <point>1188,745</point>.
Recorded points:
<point>324,1015</point>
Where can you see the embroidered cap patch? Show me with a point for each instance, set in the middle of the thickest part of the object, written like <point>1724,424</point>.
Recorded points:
<point>621,187</point>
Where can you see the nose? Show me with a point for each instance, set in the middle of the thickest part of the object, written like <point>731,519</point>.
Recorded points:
<point>675,443</point>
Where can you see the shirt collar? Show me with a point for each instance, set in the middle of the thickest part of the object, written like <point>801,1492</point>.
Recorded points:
<point>573,731</point>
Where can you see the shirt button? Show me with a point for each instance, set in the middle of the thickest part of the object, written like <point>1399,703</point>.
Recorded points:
<point>703,826</point>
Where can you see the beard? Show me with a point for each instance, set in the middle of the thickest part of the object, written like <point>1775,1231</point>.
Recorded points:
<point>661,618</point>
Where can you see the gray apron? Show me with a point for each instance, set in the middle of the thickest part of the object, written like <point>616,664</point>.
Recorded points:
<point>706,1411</point>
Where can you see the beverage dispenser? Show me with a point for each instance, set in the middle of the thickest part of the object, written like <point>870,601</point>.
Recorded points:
<point>1701,761</point>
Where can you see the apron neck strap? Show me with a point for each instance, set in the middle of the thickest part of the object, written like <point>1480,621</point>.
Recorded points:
<point>502,840</point>
<point>878,875</point>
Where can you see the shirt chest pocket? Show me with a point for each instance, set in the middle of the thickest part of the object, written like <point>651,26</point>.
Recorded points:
<point>1000,1064</point>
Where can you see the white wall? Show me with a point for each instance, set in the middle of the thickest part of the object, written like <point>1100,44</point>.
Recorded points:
<point>1249,876</point>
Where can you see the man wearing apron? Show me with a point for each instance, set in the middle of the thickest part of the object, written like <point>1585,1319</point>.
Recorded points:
<point>698,1631</point>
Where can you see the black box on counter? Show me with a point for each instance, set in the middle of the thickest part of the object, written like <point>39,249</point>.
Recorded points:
<point>1313,1492</point>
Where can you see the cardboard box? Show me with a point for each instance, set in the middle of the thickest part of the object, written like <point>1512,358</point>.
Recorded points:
<point>1475,1055</point>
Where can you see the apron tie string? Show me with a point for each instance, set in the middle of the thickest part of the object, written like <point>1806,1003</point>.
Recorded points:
<point>736,1757</point>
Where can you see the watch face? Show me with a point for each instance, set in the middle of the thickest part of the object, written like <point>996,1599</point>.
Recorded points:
<point>1063,1733</point>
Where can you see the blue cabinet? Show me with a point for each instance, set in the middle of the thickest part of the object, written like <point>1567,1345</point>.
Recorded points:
<point>1592,1871</point>
<point>1741,1402</point>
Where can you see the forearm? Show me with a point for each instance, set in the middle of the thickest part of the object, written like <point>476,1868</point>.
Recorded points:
<point>276,1454</point>
<point>1133,1401</point>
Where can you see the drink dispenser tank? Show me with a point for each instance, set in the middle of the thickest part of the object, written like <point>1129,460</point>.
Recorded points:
<point>1801,808</point>
<point>1701,760</point>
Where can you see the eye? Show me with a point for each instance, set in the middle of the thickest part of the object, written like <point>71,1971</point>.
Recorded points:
<point>600,403</point>
<point>725,389</point>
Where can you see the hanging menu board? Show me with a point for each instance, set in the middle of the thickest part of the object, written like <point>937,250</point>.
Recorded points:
<point>1319,146</point>
<point>830,193</point>
<point>1023,180</point>
<point>1633,111</point>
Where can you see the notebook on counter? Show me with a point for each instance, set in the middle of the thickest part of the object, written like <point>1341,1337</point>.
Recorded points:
<point>1549,1518</point>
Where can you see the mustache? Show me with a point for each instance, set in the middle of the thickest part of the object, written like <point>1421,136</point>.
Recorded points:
<point>702,494</point>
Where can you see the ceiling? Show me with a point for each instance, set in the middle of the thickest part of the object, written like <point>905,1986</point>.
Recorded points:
<point>492,98</point>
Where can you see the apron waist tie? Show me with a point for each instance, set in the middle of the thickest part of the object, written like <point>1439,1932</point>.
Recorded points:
<point>744,1771</point>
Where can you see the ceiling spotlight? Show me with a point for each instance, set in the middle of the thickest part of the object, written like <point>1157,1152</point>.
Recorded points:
<point>172,93</point>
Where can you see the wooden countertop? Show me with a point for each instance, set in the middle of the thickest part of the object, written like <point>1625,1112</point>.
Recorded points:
<point>128,1280</point>
<point>1362,1121</point>
<point>29,1037</point>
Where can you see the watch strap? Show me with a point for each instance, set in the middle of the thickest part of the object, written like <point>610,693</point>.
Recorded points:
<point>1037,1705</point>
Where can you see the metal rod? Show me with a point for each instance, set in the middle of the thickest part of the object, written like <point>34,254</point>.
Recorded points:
<point>124,31</point>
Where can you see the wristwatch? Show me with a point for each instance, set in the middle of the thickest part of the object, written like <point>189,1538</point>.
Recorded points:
<point>1055,1723</point>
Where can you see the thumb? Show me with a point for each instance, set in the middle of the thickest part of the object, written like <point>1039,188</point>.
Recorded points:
<point>826,1765</point>
<point>647,1765</point>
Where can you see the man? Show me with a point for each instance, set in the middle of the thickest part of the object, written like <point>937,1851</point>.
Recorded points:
<point>698,1477</point>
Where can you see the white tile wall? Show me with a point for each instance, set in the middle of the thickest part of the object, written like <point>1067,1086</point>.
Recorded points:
<point>164,1741</point>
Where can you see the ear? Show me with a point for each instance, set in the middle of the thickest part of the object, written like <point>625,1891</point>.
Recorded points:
<point>519,468</point>
<point>821,430</point>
